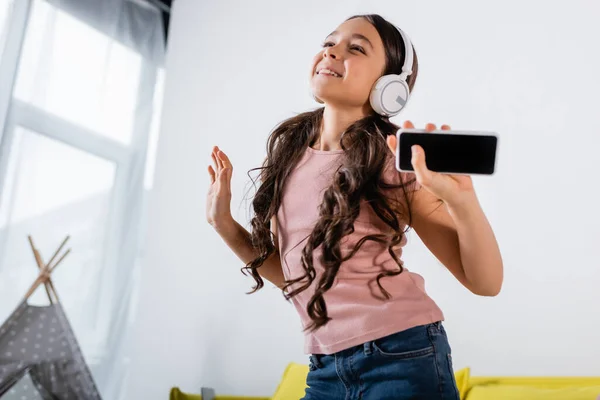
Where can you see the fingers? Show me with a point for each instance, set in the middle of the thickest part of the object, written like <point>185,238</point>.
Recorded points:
<point>391,142</point>
<point>219,171</point>
<point>223,168</point>
<point>429,127</point>
<point>224,159</point>
<point>216,158</point>
<point>419,165</point>
<point>211,172</point>
<point>225,180</point>
<point>217,168</point>
<point>224,176</point>
<point>220,158</point>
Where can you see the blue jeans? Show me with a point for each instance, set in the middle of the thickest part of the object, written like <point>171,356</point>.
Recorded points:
<point>412,364</point>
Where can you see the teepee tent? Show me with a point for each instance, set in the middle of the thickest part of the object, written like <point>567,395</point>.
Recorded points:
<point>39,355</point>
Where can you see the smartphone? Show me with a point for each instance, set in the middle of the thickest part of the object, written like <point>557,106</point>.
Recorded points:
<point>449,151</point>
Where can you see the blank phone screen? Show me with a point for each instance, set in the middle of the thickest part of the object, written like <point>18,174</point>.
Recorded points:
<point>452,153</point>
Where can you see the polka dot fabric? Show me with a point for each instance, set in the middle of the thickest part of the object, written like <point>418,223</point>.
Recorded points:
<point>24,389</point>
<point>39,341</point>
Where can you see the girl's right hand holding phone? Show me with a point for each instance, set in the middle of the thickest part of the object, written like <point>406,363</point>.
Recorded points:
<point>218,200</point>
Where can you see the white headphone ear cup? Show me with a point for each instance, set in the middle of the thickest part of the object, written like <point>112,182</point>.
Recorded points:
<point>389,95</point>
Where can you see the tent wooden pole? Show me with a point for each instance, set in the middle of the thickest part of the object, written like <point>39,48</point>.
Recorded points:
<point>46,271</point>
<point>59,261</point>
<point>41,267</point>
<point>58,251</point>
<point>53,290</point>
<point>45,274</point>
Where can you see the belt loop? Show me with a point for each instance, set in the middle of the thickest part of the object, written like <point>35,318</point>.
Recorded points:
<point>367,348</point>
<point>317,361</point>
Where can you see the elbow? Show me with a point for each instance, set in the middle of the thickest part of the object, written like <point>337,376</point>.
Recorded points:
<point>489,289</point>
<point>489,284</point>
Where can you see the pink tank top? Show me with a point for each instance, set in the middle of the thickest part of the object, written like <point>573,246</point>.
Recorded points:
<point>355,303</point>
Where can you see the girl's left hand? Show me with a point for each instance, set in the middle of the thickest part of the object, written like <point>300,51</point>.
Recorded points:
<point>449,188</point>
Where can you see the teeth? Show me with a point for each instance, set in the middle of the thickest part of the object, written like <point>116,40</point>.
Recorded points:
<point>329,72</point>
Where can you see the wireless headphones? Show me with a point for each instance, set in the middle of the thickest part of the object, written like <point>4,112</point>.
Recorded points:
<point>390,93</point>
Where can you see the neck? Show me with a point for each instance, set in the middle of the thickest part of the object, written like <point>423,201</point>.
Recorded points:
<point>335,122</point>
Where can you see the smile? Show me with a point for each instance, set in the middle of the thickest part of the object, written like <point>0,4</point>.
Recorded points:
<point>326,71</point>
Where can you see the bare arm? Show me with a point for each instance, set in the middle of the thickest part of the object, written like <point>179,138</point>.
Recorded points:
<point>218,215</point>
<point>238,240</point>
<point>457,233</point>
<point>461,238</point>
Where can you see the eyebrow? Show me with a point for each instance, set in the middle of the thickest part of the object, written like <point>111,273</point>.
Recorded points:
<point>355,36</point>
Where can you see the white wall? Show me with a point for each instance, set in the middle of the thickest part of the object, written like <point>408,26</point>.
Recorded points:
<point>528,70</point>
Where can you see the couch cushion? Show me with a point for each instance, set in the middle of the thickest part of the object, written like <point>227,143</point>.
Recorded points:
<point>177,394</point>
<point>462,381</point>
<point>293,383</point>
<point>515,392</point>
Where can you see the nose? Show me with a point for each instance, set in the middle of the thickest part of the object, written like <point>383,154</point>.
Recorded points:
<point>330,52</point>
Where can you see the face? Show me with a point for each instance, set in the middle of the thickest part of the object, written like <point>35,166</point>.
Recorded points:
<point>346,68</point>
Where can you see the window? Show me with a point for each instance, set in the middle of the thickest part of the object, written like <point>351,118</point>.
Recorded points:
<point>54,188</point>
<point>78,134</point>
<point>88,78</point>
<point>5,11</point>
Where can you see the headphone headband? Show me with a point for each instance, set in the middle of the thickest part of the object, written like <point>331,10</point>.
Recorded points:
<point>408,57</point>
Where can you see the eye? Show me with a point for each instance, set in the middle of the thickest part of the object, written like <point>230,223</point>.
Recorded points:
<point>327,44</point>
<point>356,47</point>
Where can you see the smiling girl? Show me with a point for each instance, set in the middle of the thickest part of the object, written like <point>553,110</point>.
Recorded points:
<point>330,220</point>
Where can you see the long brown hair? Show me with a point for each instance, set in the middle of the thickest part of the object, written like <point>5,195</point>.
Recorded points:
<point>358,178</point>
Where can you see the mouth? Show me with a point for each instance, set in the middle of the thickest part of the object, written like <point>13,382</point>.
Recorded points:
<point>328,72</point>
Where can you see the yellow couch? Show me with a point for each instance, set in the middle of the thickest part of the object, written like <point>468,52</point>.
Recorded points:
<point>293,384</point>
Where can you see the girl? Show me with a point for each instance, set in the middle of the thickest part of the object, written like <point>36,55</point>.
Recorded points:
<point>330,217</point>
